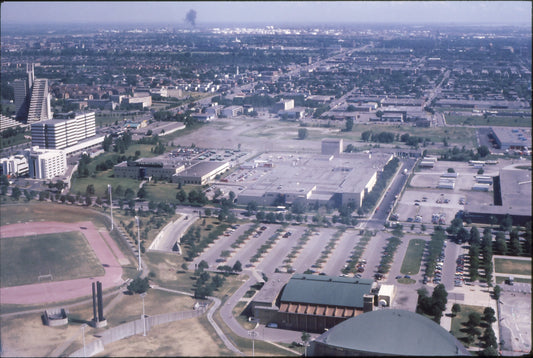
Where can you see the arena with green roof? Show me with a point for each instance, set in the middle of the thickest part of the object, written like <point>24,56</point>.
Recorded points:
<point>387,332</point>
<point>313,302</point>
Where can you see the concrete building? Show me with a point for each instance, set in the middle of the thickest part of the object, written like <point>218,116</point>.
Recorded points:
<point>511,138</point>
<point>512,195</point>
<point>387,332</point>
<point>313,303</point>
<point>332,180</point>
<point>386,295</point>
<point>232,111</point>
<point>22,90</point>
<point>32,98</point>
<point>16,165</point>
<point>6,122</point>
<point>332,146</point>
<point>46,163</point>
<point>200,173</point>
<point>40,108</point>
<point>148,168</point>
<point>67,130</point>
<point>140,101</point>
<point>284,105</point>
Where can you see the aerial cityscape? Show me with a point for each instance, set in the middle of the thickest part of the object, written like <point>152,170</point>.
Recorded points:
<point>265,178</point>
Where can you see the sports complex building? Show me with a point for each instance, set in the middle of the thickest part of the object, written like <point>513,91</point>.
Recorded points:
<point>512,195</point>
<point>387,332</point>
<point>312,303</point>
<point>331,178</point>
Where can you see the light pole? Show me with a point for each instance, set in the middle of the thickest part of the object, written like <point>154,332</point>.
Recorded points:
<point>253,334</point>
<point>83,338</point>
<point>139,241</point>
<point>143,317</point>
<point>110,204</point>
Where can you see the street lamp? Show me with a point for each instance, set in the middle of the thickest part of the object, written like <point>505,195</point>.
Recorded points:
<point>143,317</point>
<point>139,242</point>
<point>110,204</point>
<point>83,338</point>
<point>253,334</point>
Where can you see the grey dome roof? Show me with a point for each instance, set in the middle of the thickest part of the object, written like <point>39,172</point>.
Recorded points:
<point>395,332</point>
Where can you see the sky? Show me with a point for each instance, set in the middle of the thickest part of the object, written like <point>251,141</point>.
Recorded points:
<point>264,12</point>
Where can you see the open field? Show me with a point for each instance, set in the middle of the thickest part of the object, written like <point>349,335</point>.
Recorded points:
<point>413,257</point>
<point>458,328</point>
<point>41,211</point>
<point>65,255</point>
<point>503,279</point>
<point>510,266</point>
<point>469,120</point>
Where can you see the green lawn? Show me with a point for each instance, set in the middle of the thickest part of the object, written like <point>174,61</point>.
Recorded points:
<point>510,266</point>
<point>413,257</point>
<point>65,255</point>
<point>507,121</point>
<point>458,328</point>
<point>502,279</point>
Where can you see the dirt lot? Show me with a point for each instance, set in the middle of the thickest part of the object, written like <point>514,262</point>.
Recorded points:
<point>259,134</point>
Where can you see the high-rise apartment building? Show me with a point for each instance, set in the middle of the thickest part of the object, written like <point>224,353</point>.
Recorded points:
<point>64,131</point>
<point>32,98</point>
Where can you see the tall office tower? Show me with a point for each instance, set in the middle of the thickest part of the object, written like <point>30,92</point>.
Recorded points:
<point>32,98</point>
<point>40,109</point>
<point>22,94</point>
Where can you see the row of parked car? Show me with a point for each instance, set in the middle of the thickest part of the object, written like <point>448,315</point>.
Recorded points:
<point>438,269</point>
<point>459,279</point>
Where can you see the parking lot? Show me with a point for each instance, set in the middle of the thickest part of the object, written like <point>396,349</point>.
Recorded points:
<point>424,202</point>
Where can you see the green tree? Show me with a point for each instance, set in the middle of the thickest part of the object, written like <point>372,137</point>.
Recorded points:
<point>305,339</point>
<point>349,124</point>
<point>456,308</point>
<point>501,244</point>
<point>497,291</point>
<point>141,193</point>
<point>440,296</point>
<point>488,315</point>
<point>181,196</point>
<point>302,133</point>
<point>514,243</point>
<point>15,193</point>
<point>139,285</point>
<point>483,151</point>
<point>474,238</point>
<point>237,267</point>
<point>489,338</point>
<point>89,190</point>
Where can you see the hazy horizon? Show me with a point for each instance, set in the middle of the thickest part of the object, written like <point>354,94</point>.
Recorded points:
<point>497,13</point>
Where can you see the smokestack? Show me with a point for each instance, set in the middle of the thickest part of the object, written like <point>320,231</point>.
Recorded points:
<point>95,319</point>
<point>100,301</point>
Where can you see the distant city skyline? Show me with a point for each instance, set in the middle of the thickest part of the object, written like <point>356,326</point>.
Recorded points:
<point>264,12</point>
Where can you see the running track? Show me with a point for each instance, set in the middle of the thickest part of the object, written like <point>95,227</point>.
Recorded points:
<point>106,251</point>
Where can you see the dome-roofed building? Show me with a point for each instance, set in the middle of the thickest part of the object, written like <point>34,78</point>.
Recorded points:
<point>387,332</point>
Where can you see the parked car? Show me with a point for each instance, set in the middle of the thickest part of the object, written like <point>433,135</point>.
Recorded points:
<point>398,277</point>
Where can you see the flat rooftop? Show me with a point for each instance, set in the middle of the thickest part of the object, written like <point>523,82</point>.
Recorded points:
<point>513,136</point>
<point>346,172</point>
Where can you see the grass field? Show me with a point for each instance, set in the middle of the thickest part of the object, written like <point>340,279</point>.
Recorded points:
<point>510,266</point>
<point>42,211</point>
<point>458,321</point>
<point>502,279</point>
<point>65,255</point>
<point>413,257</point>
<point>490,121</point>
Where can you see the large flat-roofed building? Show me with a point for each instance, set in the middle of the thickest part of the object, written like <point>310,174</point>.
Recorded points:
<point>313,303</point>
<point>514,185</point>
<point>200,173</point>
<point>65,131</point>
<point>511,138</point>
<point>333,180</point>
<point>46,163</point>
<point>387,332</point>
<point>148,168</point>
